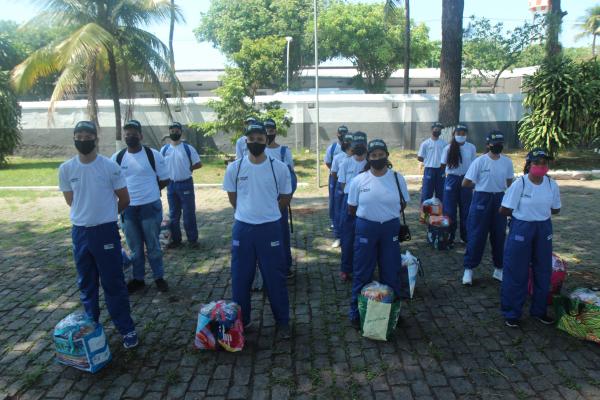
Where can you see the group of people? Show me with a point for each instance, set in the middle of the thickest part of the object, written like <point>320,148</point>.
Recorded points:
<point>366,199</point>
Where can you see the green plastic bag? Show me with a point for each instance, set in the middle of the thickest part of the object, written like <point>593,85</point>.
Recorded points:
<point>577,318</point>
<point>377,319</point>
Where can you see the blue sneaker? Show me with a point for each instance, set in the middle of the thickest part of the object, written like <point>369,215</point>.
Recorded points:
<point>130,340</point>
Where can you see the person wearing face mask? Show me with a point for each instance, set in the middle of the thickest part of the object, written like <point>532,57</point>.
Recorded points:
<point>259,187</point>
<point>350,168</point>
<point>333,149</point>
<point>283,154</point>
<point>240,145</point>
<point>376,197</point>
<point>338,196</point>
<point>430,154</point>
<point>95,189</point>
<point>182,160</point>
<point>490,174</point>
<point>146,174</point>
<point>530,202</point>
<point>456,160</point>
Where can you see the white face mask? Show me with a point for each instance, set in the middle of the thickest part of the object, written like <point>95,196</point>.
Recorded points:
<point>460,139</point>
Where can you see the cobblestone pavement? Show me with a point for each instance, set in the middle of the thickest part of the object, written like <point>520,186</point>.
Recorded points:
<point>451,342</point>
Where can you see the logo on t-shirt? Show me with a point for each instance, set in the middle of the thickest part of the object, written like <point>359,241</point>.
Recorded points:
<point>242,178</point>
<point>73,180</point>
<point>364,190</point>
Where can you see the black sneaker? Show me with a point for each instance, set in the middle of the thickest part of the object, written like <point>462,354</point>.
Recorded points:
<point>162,285</point>
<point>135,285</point>
<point>283,332</point>
<point>173,245</point>
<point>355,323</point>
<point>291,274</point>
<point>545,319</point>
<point>512,323</point>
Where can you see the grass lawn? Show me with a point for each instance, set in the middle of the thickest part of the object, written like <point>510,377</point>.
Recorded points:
<point>44,172</point>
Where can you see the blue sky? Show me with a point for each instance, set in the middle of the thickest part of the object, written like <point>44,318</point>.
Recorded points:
<point>190,54</point>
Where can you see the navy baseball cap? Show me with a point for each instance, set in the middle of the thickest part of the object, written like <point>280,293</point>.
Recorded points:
<point>175,125</point>
<point>461,127</point>
<point>85,126</point>
<point>377,144</point>
<point>359,138</point>
<point>495,137</point>
<point>347,138</point>
<point>256,127</point>
<point>250,120</point>
<point>437,125</point>
<point>342,129</point>
<point>133,123</point>
<point>538,153</point>
<point>269,123</point>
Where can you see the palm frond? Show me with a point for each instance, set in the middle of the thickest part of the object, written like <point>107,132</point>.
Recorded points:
<point>144,12</point>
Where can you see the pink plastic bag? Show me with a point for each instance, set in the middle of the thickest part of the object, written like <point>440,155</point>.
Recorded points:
<point>559,273</point>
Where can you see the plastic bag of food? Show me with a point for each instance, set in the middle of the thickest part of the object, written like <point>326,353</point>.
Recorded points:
<point>579,318</point>
<point>432,206</point>
<point>587,296</point>
<point>220,325</point>
<point>439,220</point>
<point>378,311</point>
<point>413,268</point>
<point>559,274</point>
<point>81,343</point>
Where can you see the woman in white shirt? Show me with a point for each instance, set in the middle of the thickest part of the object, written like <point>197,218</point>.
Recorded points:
<point>376,198</point>
<point>530,202</point>
<point>456,159</point>
<point>491,174</point>
<point>338,192</point>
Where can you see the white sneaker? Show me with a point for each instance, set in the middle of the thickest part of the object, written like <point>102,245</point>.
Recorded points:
<point>336,243</point>
<point>467,277</point>
<point>497,274</point>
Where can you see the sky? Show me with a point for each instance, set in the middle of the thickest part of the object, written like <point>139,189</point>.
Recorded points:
<point>190,54</point>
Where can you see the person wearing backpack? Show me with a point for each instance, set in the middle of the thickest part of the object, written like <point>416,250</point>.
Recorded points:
<point>259,187</point>
<point>377,197</point>
<point>182,160</point>
<point>338,196</point>
<point>146,174</point>
<point>333,149</point>
<point>283,154</point>
<point>530,202</point>
<point>490,174</point>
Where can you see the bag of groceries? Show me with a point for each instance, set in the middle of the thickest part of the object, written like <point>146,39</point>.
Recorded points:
<point>579,314</point>
<point>559,274</point>
<point>379,311</point>
<point>220,326</point>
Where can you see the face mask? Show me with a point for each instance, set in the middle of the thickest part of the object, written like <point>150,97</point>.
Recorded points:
<point>132,141</point>
<point>85,147</point>
<point>538,170</point>
<point>460,139</point>
<point>256,149</point>
<point>379,164</point>
<point>437,133</point>
<point>175,136</point>
<point>359,151</point>
<point>270,139</point>
<point>496,148</point>
<point>340,138</point>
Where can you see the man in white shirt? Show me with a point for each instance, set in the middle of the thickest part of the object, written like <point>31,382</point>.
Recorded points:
<point>430,154</point>
<point>240,146</point>
<point>182,160</point>
<point>96,192</point>
<point>146,174</point>
<point>258,188</point>
<point>334,149</point>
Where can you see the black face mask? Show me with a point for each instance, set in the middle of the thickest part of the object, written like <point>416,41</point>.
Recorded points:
<point>379,164</point>
<point>85,147</point>
<point>496,148</point>
<point>436,133</point>
<point>175,136</point>
<point>340,138</point>
<point>270,139</point>
<point>359,151</point>
<point>132,141</point>
<point>256,149</point>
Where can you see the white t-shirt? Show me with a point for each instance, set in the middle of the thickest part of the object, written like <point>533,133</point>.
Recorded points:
<point>431,151</point>
<point>140,178</point>
<point>256,189</point>
<point>275,153</point>
<point>531,202</point>
<point>338,149</point>
<point>337,161</point>
<point>490,175</point>
<point>178,162</point>
<point>93,186</point>
<point>468,152</point>
<point>349,168</point>
<point>241,149</point>
<point>377,198</point>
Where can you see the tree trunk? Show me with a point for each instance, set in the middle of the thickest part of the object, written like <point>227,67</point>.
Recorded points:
<point>114,91</point>
<point>451,61</point>
<point>406,46</point>
<point>553,47</point>
<point>92,92</point>
<point>171,31</point>
<point>594,45</point>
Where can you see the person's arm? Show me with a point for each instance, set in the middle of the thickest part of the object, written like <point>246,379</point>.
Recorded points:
<point>352,210</point>
<point>123,198</point>
<point>68,197</point>
<point>555,211</point>
<point>232,199</point>
<point>421,154</point>
<point>163,184</point>
<point>161,170</point>
<point>471,176</point>
<point>467,183</point>
<point>556,203</point>
<point>335,176</point>
<point>196,166</point>
<point>284,201</point>
<point>507,212</point>
<point>64,185</point>
<point>196,162</point>
<point>342,185</point>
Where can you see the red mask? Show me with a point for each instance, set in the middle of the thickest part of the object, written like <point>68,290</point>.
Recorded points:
<point>538,170</point>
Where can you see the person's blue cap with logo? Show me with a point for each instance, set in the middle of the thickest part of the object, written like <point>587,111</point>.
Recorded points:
<point>249,120</point>
<point>537,154</point>
<point>495,137</point>
<point>359,138</point>
<point>175,125</point>
<point>256,127</point>
<point>461,128</point>
<point>270,123</point>
<point>133,123</point>
<point>342,129</point>
<point>85,126</point>
<point>347,138</point>
<point>437,125</point>
<point>377,144</point>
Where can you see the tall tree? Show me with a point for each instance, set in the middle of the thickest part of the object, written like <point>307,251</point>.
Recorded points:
<point>554,23</point>
<point>105,35</point>
<point>590,25</point>
<point>171,33</point>
<point>451,61</point>
<point>391,7</point>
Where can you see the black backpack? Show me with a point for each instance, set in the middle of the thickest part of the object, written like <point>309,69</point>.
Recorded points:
<point>150,156</point>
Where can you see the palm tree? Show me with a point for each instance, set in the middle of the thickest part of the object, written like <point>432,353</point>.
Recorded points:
<point>553,27</point>
<point>451,61</point>
<point>390,8</point>
<point>590,25</point>
<point>171,32</point>
<point>105,38</point>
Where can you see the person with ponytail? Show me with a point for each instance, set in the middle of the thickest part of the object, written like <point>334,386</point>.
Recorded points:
<point>376,197</point>
<point>338,195</point>
<point>456,159</point>
<point>530,202</point>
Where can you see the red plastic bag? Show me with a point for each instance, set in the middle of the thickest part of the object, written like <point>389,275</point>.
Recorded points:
<point>559,274</point>
<point>220,325</point>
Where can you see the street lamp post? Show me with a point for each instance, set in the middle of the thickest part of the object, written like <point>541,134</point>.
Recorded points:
<point>287,71</point>
<point>317,93</point>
